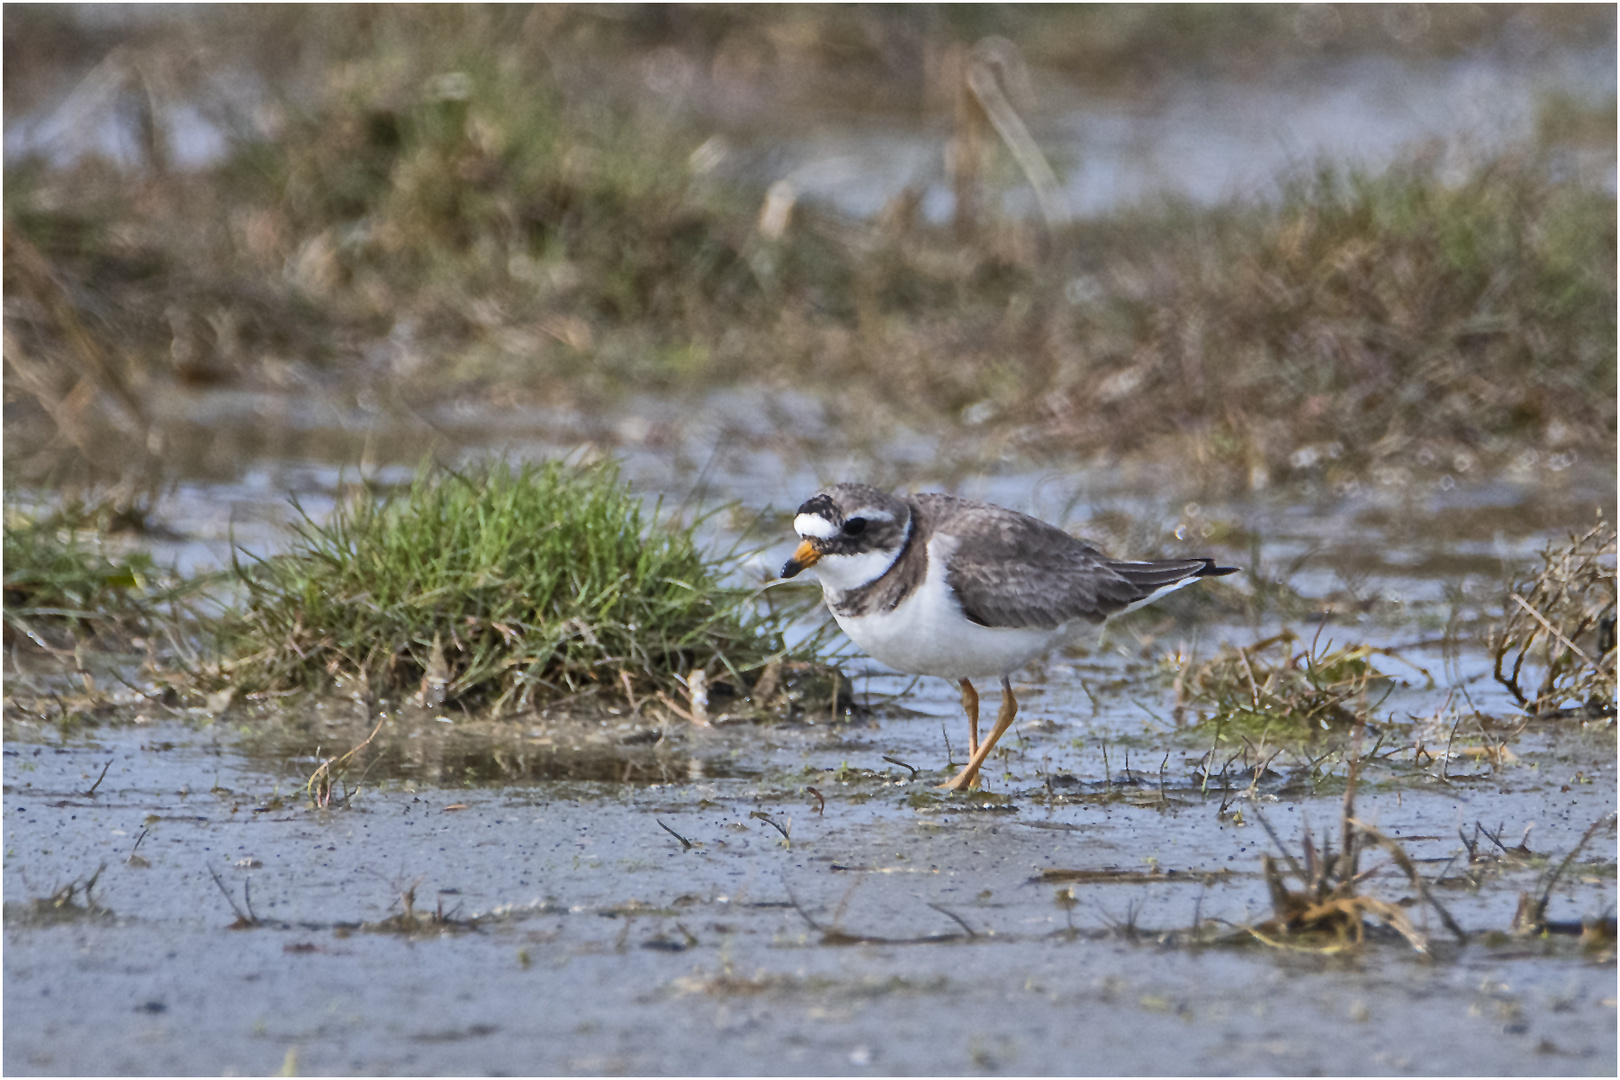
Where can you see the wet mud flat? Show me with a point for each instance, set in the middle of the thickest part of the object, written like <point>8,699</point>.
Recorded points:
<point>174,904</point>
<point>611,893</point>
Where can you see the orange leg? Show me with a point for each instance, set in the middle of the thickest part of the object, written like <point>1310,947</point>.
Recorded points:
<point>969,776</point>
<point>970,705</point>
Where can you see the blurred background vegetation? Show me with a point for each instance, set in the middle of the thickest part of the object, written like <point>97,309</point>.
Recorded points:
<point>524,205</point>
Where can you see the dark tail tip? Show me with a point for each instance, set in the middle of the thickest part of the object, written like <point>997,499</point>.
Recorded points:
<point>1211,570</point>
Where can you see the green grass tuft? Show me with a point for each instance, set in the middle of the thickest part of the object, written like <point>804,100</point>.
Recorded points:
<point>58,581</point>
<point>496,589</point>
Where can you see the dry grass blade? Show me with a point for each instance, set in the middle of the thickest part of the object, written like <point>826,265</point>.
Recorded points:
<point>319,785</point>
<point>1404,861</point>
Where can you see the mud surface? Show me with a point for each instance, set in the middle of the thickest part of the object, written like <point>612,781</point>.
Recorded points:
<point>558,926</point>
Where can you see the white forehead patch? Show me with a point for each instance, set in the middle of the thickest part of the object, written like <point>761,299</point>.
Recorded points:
<point>814,525</point>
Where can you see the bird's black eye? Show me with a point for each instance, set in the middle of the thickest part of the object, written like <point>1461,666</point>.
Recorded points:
<point>854,526</point>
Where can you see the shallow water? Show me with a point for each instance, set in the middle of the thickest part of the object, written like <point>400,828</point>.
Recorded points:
<point>891,930</point>
<point>896,932</point>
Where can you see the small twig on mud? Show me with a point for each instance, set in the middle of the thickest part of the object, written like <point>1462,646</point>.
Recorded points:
<point>793,902</point>
<point>1495,838</point>
<point>1470,843</point>
<point>92,792</point>
<point>669,703</point>
<point>1522,851</point>
<point>88,885</point>
<point>1254,687</point>
<point>824,931</point>
<point>686,845</point>
<point>1534,920</point>
<point>63,897</point>
<point>1209,766</point>
<point>1347,809</point>
<point>1293,865</point>
<point>903,765</point>
<point>1446,869</point>
<point>629,692</point>
<point>1126,929</point>
<point>954,917</point>
<point>773,823</point>
<point>838,912</point>
<point>1445,762</point>
<point>242,921</point>
<point>1260,770</point>
<point>407,898</point>
<point>821,801</point>
<point>832,935</point>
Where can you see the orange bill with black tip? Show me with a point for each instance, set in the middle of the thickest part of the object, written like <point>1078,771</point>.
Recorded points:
<point>804,557</point>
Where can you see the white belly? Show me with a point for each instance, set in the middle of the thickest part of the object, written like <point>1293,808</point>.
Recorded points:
<point>927,634</point>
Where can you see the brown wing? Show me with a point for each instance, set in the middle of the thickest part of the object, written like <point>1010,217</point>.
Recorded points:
<point>1010,569</point>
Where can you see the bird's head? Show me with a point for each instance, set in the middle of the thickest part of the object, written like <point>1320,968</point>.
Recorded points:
<point>851,534</point>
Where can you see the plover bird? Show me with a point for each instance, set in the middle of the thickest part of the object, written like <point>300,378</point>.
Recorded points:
<point>935,585</point>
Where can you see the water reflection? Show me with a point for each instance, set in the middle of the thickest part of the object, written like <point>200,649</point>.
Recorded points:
<point>488,756</point>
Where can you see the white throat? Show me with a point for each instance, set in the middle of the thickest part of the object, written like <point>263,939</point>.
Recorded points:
<point>839,574</point>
